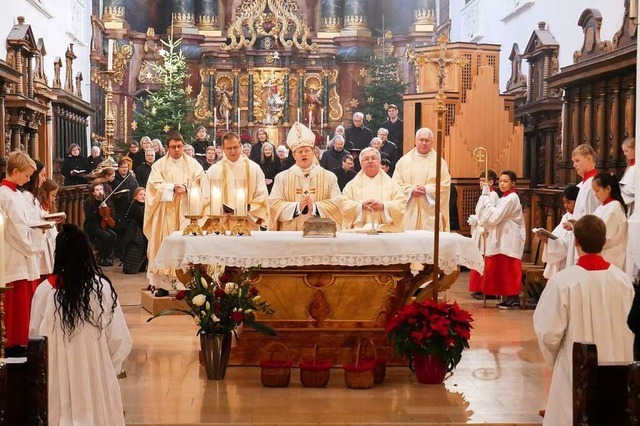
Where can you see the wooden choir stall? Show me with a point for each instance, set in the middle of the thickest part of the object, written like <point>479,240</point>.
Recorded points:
<point>325,291</point>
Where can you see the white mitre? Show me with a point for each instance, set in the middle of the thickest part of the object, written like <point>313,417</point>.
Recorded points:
<point>299,136</point>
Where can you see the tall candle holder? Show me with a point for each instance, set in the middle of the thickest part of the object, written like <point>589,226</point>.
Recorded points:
<point>3,330</point>
<point>193,228</point>
<point>215,225</point>
<point>240,228</point>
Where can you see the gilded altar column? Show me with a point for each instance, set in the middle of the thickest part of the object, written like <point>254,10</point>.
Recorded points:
<point>355,19</point>
<point>183,16</point>
<point>424,16</point>
<point>113,14</point>
<point>300,112</point>
<point>250,100</point>
<point>207,20</point>
<point>331,19</point>
<point>325,99</point>
<point>285,109</point>
<point>236,97</point>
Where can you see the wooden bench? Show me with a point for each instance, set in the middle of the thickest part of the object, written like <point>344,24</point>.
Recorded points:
<point>604,395</point>
<point>23,387</point>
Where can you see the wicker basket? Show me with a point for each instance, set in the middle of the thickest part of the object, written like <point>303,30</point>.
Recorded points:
<point>316,372</point>
<point>359,374</point>
<point>276,373</point>
<point>380,364</point>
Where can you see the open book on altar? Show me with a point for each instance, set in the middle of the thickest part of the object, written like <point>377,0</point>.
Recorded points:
<point>542,231</point>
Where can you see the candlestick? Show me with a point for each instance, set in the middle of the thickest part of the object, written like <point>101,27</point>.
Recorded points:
<point>238,121</point>
<point>328,141</point>
<point>194,200</point>
<point>216,198</point>
<point>298,115</point>
<point>2,274</point>
<point>310,118</point>
<point>110,55</point>
<point>321,121</point>
<point>241,202</point>
<point>226,116</point>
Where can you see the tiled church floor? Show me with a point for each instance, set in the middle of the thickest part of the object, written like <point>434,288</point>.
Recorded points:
<point>501,380</point>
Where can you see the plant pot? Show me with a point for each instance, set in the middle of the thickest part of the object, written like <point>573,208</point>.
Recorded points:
<point>430,369</point>
<point>215,354</point>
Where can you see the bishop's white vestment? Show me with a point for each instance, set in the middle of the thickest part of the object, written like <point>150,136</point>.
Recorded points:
<point>420,169</point>
<point>294,183</point>
<point>82,382</point>
<point>580,305</point>
<point>382,188</point>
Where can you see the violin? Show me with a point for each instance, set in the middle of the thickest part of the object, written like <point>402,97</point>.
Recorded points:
<point>107,219</point>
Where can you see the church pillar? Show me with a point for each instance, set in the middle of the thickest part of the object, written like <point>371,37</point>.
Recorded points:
<point>113,14</point>
<point>250,100</point>
<point>33,144</point>
<point>355,19</point>
<point>529,77</point>
<point>300,111</point>
<point>424,16</point>
<point>3,112</point>
<point>16,135</point>
<point>285,109</point>
<point>331,16</point>
<point>183,16</point>
<point>208,17</point>
<point>325,99</point>
<point>236,97</point>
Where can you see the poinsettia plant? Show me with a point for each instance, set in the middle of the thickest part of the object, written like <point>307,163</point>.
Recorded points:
<point>219,301</point>
<point>429,328</point>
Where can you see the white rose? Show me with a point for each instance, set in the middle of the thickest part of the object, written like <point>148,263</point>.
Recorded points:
<point>230,288</point>
<point>199,300</point>
<point>248,311</point>
<point>214,318</point>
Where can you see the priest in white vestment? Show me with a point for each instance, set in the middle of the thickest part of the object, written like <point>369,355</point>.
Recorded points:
<point>305,189</point>
<point>236,172</point>
<point>416,174</point>
<point>372,200</point>
<point>167,200</point>
<point>586,302</point>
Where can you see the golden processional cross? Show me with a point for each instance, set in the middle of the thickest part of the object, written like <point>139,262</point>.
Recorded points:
<point>439,60</point>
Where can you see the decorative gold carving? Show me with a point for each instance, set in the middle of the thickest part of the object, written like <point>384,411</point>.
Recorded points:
<point>277,19</point>
<point>424,16</point>
<point>113,13</point>
<point>201,109</point>
<point>335,106</point>
<point>332,23</point>
<point>148,73</point>
<point>355,22</point>
<point>268,95</point>
<point>182,19</point>
<point>207,21</point>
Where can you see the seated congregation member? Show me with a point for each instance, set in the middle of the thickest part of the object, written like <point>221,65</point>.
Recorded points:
<point>134,242</point>
<point>74,166</point>
<point>209,158</point>
<point>478,235</point>
<point>104,236</point>
<point>77,310</point>
<point>504,224</point>
<point>22,247</point>
<point>144,170</point>
<point>345,173</point>
<point>385,165</point>
<point>555,251</point>
<point>332,157</point>
<point>613,213</point>
<point>136,156</point>
<point>389,148</point>
<point>269,164</point>
<point>237,171</point>
<point>372,200</point>
<point>586,302</point>
<point>305,190</point>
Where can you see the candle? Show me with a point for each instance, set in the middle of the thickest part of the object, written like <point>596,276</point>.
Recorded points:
<point>216,198</point>
<point>110,55</point>
<point>298,115</point>
<point>321,120</point>
<point>310,119</point>
<point>194,200</point>
<point>328,141</point>
<point>238,121</point>
<point>241,202</point>
<point>2,275</point>
<point>226,116</point>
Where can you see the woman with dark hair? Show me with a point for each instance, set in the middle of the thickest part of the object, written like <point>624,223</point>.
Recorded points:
<point>88,340</point>
<point>613,213</point>
<point>105,237</point>
<point>74,166</point>
<point>270,164</point>
<point>256,150</point>
<point>134,241</point>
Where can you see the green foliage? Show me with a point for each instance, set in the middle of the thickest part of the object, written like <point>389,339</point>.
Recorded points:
<point>169,108</point>
<point>385,87</point>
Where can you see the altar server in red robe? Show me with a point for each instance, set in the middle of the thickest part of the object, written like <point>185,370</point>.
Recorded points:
<point>587,302</point>
<point>505,229</point>
<point>22,245</point>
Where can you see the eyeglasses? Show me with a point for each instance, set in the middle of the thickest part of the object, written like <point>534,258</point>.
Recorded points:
<point>175,147</point>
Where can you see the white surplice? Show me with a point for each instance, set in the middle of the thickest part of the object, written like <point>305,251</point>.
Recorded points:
<point>586,203</point>
<point>581,306</point>
<point>504,224</point>
<point>628,188</point>
<point>36,215</point>
<point>82,383</point>
<point>478,229</point>
<point>615,248</point>
<point>555,251</point>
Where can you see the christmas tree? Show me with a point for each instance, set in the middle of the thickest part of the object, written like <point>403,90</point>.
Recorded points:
<point>169,108</point>
<point>384,88</point>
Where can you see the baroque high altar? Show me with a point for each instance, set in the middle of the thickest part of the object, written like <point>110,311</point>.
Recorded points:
<point>254,63</point>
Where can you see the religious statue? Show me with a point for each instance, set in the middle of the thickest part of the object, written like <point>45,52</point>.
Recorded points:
<point>314,102</point>
<point>223,102</point>
<point>57,65</point>
<point>78,89</point>
<point>274,108</point>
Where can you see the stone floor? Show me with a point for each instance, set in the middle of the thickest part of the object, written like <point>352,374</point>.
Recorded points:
<point>501,380</point>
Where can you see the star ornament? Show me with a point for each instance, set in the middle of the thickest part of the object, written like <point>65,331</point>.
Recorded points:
<point>166,128</point>
<point>188,89</point>
<point>147,103</point>
<point>363,72</point>
<point>386,106</point>
<point>368,117</point>
<point>134,125</point>
<point>154,111</point>
<point>354,103</point>
<point>370,99</point>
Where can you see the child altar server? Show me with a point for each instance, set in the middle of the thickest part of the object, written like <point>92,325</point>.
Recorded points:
<point>613,214</point>
<point>587,302</point>
<point>504,224</point>
<point>22,246</point>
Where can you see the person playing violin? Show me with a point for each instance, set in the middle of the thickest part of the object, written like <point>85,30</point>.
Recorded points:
<point>99,224</point>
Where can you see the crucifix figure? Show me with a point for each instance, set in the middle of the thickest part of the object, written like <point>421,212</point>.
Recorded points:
<point>439,60</point>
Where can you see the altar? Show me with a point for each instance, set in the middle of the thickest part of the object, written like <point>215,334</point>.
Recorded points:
<point>326,291</point>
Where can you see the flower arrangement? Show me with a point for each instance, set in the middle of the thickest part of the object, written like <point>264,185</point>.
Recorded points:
<point>429,328</point>
<point>219,302</point>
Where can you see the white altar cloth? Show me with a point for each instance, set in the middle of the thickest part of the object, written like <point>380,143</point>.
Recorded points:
<point>279,249</point>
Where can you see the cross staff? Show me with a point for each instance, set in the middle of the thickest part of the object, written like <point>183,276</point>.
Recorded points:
<point>440,60</point>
